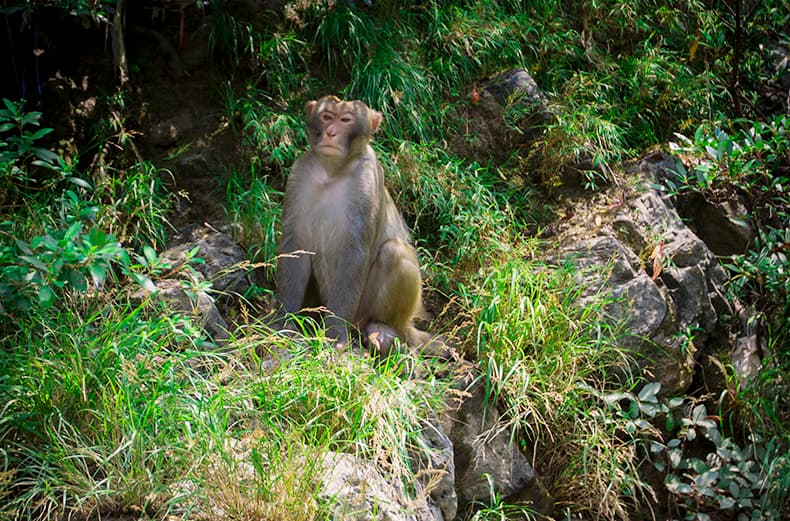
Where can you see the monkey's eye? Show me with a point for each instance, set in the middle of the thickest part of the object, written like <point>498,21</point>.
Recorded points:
<point>326,116</point>
<point>346,119</point>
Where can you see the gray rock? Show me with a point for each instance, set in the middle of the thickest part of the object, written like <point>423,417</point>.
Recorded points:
<point>669,315</point>
<point>514,83</point>
<point>222,257</point>
<point>168,132</point>
<point>434,466</point>
<point>357,490</point>
<point>724,227</point>
<point>195,303</point>
<point>483,451</point>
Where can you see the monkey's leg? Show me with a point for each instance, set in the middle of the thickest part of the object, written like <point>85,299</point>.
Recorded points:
<point>393,292</point>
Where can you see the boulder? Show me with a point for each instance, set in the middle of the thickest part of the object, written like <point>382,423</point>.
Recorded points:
<point>357,490</point>
<point>195,303</point>
<point>488,133</point>
<point>434,467</point>
<point>184,289</point>
<point>664,282</point>
<point>222,257</point>
<point>483,452</point>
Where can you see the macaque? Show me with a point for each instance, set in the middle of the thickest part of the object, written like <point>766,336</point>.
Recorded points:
<point>344,245</point>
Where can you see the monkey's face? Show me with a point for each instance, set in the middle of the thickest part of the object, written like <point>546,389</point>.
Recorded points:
<point>340,128</point>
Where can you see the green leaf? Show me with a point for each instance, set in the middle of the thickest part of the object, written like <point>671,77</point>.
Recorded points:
<point>150,255</point>
<point>675,456</point>
<point>12,107</point>
<point>46,297</point>
<point>649,392</point>
<point>35,262</point>
<point>72,231</point>
<point>41,133</point>
<point>77,280</point>
<point>145,282</point>
<point>98,274</point>
<point>80,182</point>
<point>96,236</point>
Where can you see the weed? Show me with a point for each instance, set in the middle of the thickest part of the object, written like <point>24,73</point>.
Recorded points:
<point>729,478</point>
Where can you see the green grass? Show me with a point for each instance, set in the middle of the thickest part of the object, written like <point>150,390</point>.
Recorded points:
<point>112,409</point>
<point>554,364</point>
<point>254,208</point>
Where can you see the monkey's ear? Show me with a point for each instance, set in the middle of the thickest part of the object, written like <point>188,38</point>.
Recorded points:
<point>375,120</point>
<point>309,107</point>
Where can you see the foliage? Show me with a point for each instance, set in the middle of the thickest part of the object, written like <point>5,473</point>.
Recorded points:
<point>254,207</point>
<point>116,410</point>
<point>68,247</point>
<point>276,135</point>
<point>751,160</point>
<point>455,204</point>
<point>40,270</point>
<point>22,161</point>
<point>136,204</point>
<point>750,481</point>
<point>110,408</point>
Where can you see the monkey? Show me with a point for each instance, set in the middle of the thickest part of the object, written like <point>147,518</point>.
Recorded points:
<point>344,246</point>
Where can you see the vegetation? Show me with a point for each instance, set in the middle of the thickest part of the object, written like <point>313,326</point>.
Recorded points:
<point>111,403</point>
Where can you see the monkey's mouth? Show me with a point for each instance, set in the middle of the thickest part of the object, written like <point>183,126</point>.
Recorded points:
<point>330,148</point>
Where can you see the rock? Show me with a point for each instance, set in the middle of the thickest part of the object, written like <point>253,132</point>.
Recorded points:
<point>669,315</point>
<point>222,257</point>
<point>637,303</point>
<point>221,261</point>
<point>724,226</point>
<point>168,132</point>
<point>434,466</point>
<point>196,303</point>
<point>515,83</point>
<point>357,490</point>
<point>516,87</point>
<point>487,133</point>
<point>482,450</point>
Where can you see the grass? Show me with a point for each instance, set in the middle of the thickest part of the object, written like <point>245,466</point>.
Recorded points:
<point>553,364</point>
<point>124,413</point>
<point>254,208</point>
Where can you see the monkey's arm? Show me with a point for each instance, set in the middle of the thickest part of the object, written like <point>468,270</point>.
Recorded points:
<point>346,290</point>
<point>362,231</point>
<point>293,275</point>
<point>293,263</point>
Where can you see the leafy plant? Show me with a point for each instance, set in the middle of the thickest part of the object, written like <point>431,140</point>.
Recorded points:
<point>728,478</point>
<point>20,154</point>
<point>753,160</point>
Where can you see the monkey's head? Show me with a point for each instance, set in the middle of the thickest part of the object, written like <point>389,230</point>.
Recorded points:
<point>338,128</point>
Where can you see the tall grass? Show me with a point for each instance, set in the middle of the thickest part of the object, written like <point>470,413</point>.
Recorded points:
<point>112,409</point>
<point>555,364</point>
<point>254,207</point>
